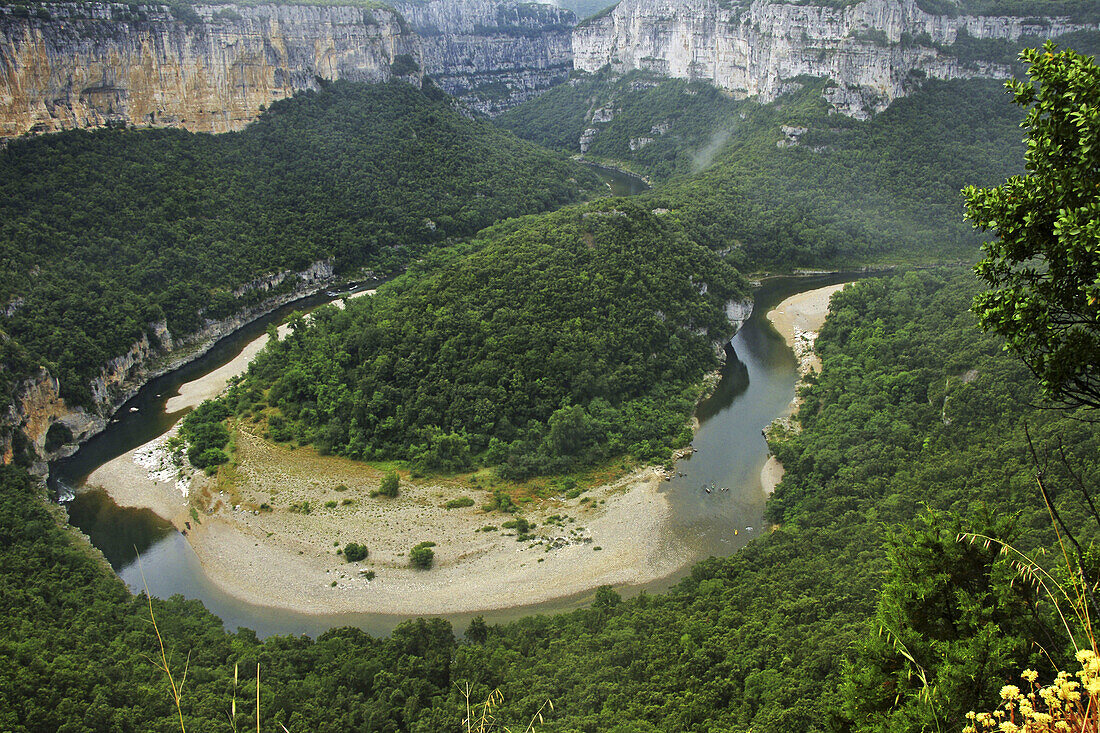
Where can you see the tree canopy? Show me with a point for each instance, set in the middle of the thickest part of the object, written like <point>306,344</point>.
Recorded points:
<point>104,232</point>
<point>552,341</point>
<point>1043,266</point>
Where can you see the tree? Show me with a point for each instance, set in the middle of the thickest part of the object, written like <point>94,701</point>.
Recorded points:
<point>354,552</point>
<point>953,622</point>
<point>478,631</point>
<point>389,485</point>
<point>1044,265</point>
<point>422,556</point>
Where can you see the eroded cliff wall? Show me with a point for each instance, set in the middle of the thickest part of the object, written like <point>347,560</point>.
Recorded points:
<point>875,51</point>
<point>94,63</point>
<point>36,405</point>
<point>492,54</point>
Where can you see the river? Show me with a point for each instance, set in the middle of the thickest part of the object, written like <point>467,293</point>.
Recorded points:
<point>757,386</point>
<point>619,182</point>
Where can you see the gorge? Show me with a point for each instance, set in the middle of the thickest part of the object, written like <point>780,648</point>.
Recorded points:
<point>536,374</point>
<point>215,67</point>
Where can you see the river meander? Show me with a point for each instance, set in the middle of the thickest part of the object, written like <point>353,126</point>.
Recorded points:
<point>757,386</point>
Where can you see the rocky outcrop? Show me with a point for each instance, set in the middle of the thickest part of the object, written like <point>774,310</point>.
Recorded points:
<point>738,312</point>
<point>38,418</point>
<point>490,54</point>
<point>89,64</point>
<point>213,68</point>
<point>875,50</point>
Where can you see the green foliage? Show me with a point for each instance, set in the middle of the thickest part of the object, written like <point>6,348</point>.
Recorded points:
<point>459,503</point>
<point>954,621</point>
<point>847,190</point>
<point>184,13</point>
<point>104,233</point>
<point>404,65</point>
<point>1080,10</point>
<point>390,484</point>
<point>206,434</point>
<point>550,342</point>
<point>422,556</point>
<point>354,552</point>
<point>679,119</point>
<point>915,407</point>
<point>1044,265</point>
<point>478,631</point>
<point>57,435</point>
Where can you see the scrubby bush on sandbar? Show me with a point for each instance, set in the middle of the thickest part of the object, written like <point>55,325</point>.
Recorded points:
<point>422,556</point>
<point>354,552</point>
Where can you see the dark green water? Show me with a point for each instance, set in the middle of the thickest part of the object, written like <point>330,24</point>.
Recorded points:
<point>619,182</point>
<point>757,385</point>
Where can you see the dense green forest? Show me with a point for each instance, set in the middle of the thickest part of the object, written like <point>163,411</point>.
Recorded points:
<point>557,340</point>
<point>541,344</point>
<point>789,184</point>
<point>679,117</point>
<point>915,411</point>
<point>104,232</point>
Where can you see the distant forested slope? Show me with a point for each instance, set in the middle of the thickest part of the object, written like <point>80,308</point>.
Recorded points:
<point>102,233</point>
<point>914,408</point>
<point>557,340</point>
<point>788,184</point>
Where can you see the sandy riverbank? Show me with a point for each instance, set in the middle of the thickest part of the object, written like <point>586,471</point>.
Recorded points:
<point>798,320</point>
<point>287,559</point>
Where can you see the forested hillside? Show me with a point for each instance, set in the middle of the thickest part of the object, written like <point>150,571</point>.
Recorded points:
<point>658,126</point>
<point>788,184</point>
<point>104,232</point>
<point>914,409</point>
<point>557,340</point>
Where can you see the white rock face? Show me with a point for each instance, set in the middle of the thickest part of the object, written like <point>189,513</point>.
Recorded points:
<point>737,312</point>
<point>94,63</point>
<point>492,54</point>
<point>752,50</point>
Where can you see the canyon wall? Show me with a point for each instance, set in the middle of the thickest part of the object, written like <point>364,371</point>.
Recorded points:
<point>213,70</point>
<point>874,51</point>
<point>492,55</point>
<point>39,426</point>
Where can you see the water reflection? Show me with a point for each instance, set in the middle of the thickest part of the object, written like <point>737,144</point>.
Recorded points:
<point>619,182</point>
<point>120,534</point>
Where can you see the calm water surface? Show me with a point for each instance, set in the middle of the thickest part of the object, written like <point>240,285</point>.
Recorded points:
<point>757,385</point>
<point>619,182</point>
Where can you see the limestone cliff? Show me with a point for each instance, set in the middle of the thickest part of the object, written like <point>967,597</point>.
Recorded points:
<point>88,64</point>
<point>492,54</point>
<point>874,50</point>
<point>38,421</point>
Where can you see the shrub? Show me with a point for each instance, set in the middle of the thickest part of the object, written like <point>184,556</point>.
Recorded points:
<point>458,503</point>
<point>422,556</point>
<point>354,552</point>
<point>519,524</point>
<point>209,458</point>
<point>389,485</point>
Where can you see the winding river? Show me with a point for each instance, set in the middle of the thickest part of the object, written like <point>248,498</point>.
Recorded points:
<point>757,386</point>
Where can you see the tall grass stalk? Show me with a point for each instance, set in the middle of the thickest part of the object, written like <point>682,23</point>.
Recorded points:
<point>480,719</point>
<point>177,691</point>
<point>1071,703</point>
